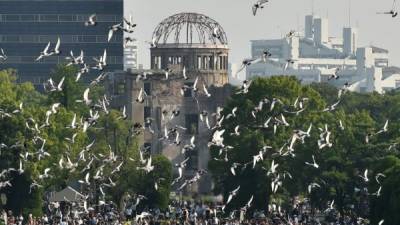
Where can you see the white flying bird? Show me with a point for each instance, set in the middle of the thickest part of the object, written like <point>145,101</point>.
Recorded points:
<point>91,21</point>
<point>232,194</point>
<point>365,176</point>
<point>3,56</point>
<point>313,164</point>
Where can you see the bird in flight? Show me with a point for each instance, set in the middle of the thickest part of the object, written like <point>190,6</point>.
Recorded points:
<point>91,21</point>
<point>3,56</point>
<point>393,11</point>
<point>259,5</point>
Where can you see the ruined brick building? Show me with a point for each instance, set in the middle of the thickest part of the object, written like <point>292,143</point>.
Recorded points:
<point>190,44</point>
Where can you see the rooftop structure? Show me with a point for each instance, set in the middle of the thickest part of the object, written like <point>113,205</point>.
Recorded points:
<point>316,57</point>
<point>189,28</point>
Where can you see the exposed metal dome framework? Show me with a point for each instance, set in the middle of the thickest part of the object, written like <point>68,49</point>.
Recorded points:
<point>189,28</point>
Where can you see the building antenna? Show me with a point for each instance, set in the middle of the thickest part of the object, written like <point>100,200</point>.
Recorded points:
<point>349,13</point>
<point>312,7</point>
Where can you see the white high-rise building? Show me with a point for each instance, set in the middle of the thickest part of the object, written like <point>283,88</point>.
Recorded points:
<point>317,57</point>
<point>131,56</point>
<point>234,77</point>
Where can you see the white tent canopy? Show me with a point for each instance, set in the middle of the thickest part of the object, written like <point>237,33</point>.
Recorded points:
<point>67,195</point>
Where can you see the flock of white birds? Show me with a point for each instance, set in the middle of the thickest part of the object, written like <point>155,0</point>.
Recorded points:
<point>87,158</point>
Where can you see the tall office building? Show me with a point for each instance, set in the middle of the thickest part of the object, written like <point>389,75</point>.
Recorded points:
<point>26,26</point>
<point>131,56</point>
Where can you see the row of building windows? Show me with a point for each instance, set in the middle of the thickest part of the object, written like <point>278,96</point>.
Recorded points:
<point>258,51</point>
<point>191,120</point>
<point>204,62</point>
<point>58,59</point>
<point>157,62</point>
<point>192,163</point>
<point>57,18</point>
<point>36,80</point>
<point>188,92</point>
<point>63,38</point>
<point>209,62</point>
<point>175,60</point>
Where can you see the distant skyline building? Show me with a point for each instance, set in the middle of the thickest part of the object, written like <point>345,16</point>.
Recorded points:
<point>234,77</point>
<point>131,56</point>
<point>316,56</point>
<point>28,25</point>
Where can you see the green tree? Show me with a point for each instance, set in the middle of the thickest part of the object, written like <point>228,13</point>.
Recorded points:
<point>26,130</point>
<point>339,166</point>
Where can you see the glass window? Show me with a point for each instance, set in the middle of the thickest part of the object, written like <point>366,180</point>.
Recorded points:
<point>147,88</point>
<point>120,88</point>
<point>105,18</point>
<point>11,38</point>
<point>48,17</point>
<point>188,92</point>
<point>205,62</point>
<point>193,159</point>
<point>119,60</point>
<point>65,18</point>
<point>157,62</point>
<point>80,18</point>
<point>192,123</point>
<point>146,112</point>
<point>28,38</point>
<point>101,38</point>
<point>66,39</point>
<point>46,38</point>
<point>51,59</point>
<point>89,38</point>
<point>27,18</point>
<point>199,64</point>
<point>11,18</point>
<point>117,18</point>
<point>27,59</point>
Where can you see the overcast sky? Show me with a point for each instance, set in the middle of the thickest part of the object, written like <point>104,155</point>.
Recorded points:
<point>278,18</point>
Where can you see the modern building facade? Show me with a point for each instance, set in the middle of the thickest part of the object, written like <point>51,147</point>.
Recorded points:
<point>26,26</point>
<point>131,56</point>
<point>204,58</point>
<point>234,78</point>
<point>317,56</point>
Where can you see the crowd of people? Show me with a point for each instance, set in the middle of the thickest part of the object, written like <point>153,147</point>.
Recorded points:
<point>179,213</point>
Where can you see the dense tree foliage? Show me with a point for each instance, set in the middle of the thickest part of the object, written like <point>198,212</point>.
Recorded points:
<point>27,129</point>
<point>340,167</point>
